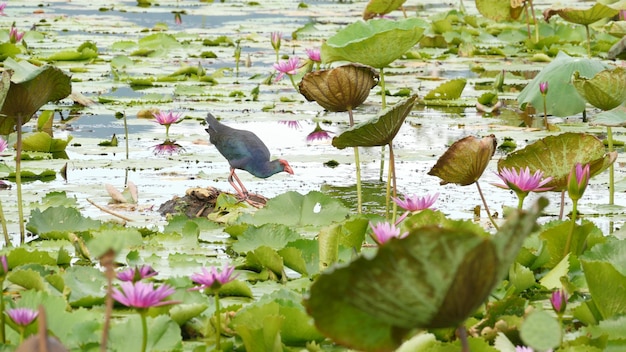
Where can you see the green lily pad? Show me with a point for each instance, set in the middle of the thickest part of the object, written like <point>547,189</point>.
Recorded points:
<point>375,43</point>
<point>465,161</point>
<point>579,16</point>
<point>43,142</point>
<point>433,278</point>
<point>611,118</point>
<point>381,7</point>
<point>606,90</point>
<point>497,10</point>
<point>604,267</point>
<point>449,90</point>
<point>557,155</point>
<point>379,130</point>
<point>31,88</point>
<point>562,98</point>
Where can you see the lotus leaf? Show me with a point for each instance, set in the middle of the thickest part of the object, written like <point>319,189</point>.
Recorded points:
<point>449,90</point>
<point>498,10</point>
<point>606,90</point>
<point>611,118</point>
<point>580,16</point>
<point>339,89</point>
<point>378,131</point>
<point>375,43</point>
<point>31,87</point>
<point>604,267</point>
<point>435,277</point>
<point>381,7</point>
<point>465,161</point>
<point>556,155</point>
<point>42,142</point>
<point>562,98</point>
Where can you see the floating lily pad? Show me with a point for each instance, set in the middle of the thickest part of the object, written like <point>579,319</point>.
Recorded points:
<point>449,90</point>
<point>340,89</point>
<point>557,155</point>
<point>465,161</point>
<point>580,16</point>
<point>379,130</point>
<point>31,87</point>
<point>433,278</point>
<point>381,7</point>
<point>606,90</point>
<point>42,142</point>
<point>562,98</point>
<point>611,118</point>
<point>375,43</point>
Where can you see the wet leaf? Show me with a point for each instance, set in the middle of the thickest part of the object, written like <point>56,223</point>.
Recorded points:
<point>58,222</point>
<point>275,236</point>
<point>398,289</point>
<point>449,90</point>
<point>381,7</point>
<point>164,334</point>
<point>582,16</point>
<point>379,130</point>
<point>604,267</point>
<point>611,118</point>
<point>556,155</point>
<point>562,98</point>
<point>31,87</point>
<point>465,161</point>
<point>606,90</point>
<point>295,209</point>
<point>541,331</point>
<point>43,142</point>
<point>375,43</point>
<point>339,89</point>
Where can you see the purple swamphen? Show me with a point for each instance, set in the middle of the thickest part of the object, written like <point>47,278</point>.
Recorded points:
<point>244,151</point>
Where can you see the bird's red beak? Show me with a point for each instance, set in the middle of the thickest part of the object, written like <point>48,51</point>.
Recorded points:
<point>286,166</point>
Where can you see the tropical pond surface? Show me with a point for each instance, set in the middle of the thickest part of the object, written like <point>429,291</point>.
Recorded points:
<point>111,81</point>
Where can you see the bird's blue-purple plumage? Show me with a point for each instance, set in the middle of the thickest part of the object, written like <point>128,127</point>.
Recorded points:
<point>243,149</point>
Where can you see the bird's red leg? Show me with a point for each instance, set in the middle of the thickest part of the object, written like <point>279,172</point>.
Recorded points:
<point>241,190</point>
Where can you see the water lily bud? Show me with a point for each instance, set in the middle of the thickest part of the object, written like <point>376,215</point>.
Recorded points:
<point>559,301</point>
<point>543,88</point>
<point>577,181</point>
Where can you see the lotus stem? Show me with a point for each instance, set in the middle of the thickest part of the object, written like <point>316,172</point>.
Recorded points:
<point>126,135</point>
<point>562,205</point>
<point>18,178</point>
<point>545,112</point>
<point>486,206</point>
<point>5,231</point>
<point>527,21</point>
<point>383,97</point>
<point>391,176</point>
<point>107,262</point>
<point>462,333</point>
<point>144,330</point>
<point>532,11</point>
<point>357,163</point>
<point>588,41</point>
<point>568,243</point>
<point>218,328</point>
<point>609,133</point>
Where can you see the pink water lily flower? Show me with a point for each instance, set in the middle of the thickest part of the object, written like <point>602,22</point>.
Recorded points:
<point>384,231</point>
<point>22,316</point>
<point>577,181</point>
<point>318,134</point>
<point>543,88</point>
<point>523,182</point>
<point>213,278</point>
<point>275,38</point>
<point>142,295</point>
<point>3,5</point>
<point>137,273</point>
<point>289,67</point>
<point>416,203</point>
<point>314,54</point>
<point>15,36</point>
<point>167,118</point>
<point>3,144</point>
<point>558,299</point>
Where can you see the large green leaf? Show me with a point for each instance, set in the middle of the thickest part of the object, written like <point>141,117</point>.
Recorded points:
<point>58,222</point>
<point>435,277</point>
<point>375,43</point>
<point>379,130</point>
<point>606,90</point>
<point>31,87</point>
<point>295,209</point>
<point>557,155</point>
<point>43,142</point>
<point>562,98</point>
<point>497,10</point>
<point>611,118</point>
<point>449,90</point>
<point>605,270</point>
<point>582,16</point>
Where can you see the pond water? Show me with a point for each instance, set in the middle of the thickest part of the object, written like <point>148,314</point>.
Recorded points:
<point>424,137</point>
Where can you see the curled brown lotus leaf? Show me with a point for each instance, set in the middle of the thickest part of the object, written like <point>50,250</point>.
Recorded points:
<point>465,161</point>
<point>381,7</point>
<point>339,89</point>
